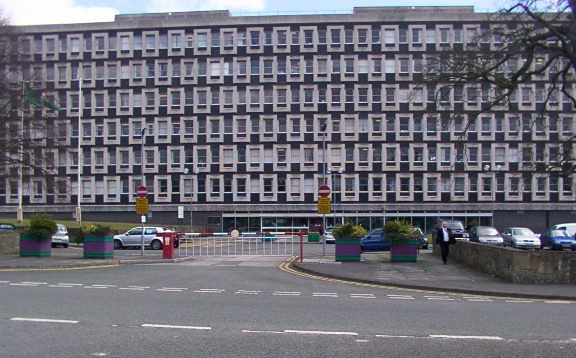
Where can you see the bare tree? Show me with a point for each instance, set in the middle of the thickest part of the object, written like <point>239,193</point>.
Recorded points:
<point>522,61</point>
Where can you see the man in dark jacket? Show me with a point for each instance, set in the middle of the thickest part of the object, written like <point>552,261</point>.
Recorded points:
<point>444,238</point>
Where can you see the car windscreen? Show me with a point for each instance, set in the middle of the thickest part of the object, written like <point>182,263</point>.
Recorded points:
<point>523,232</point>
<point>558,233</point>
<point>455,225</point>
<point>490,231</point>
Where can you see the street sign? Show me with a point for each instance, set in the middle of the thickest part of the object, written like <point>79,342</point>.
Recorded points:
<point>324,205</point>
<point>180,212</point>
<point>141,191</point>
<point>142,206</point>
<point>324,191</point>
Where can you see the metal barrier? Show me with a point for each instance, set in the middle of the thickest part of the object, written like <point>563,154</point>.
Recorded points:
<point>263,245</point>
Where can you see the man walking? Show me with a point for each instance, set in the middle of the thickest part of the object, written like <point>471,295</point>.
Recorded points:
<point>444,238</point>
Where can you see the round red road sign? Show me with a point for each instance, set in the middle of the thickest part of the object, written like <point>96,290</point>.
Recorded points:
<point>323,191</point>
<point>141,191</point>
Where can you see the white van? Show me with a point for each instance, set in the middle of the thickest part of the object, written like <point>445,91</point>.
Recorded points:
<point>570,228</point>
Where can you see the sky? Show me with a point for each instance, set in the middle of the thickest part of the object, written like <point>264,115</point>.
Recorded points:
<point>36,12</point>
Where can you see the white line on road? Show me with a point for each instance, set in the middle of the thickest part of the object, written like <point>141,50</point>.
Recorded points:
<point>61,286</point>
<point>284,293</point>
<point>131,288</point>
<point>210,290</point>
<point>439,299</point>
<point>479,300</point>
<point>32,283</point>
<point>254,331</point>
<point>400,297</point>
<point>4,281</point>
<point>362,295</point>
<point>324,294</point>
<point>176,327</point>
<point>42,320</point>
<point>104,286</point>
<point>169,290</point>
<point>519,301</point>
<point>492,338</point>
<point>560,302</point>
<point>24,284</point>
<point>394,336</point>
<point>244,292</point>
<point>70,284</point>
<point>321,332</point>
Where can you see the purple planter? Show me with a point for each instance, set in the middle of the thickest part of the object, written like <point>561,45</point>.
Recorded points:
<point>405,252</point>
<point>98,247</point>
<point>348,249</point>
<point>31,246</point>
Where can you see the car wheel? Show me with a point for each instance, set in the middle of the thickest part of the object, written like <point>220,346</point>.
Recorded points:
<point>156,245</point>
<point>65,246</point>
<point>118,245</point>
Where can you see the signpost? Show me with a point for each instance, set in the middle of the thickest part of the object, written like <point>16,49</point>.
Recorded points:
<point>142,209</point>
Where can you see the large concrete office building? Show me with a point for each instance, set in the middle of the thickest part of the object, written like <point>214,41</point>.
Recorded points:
<point>236,112</point>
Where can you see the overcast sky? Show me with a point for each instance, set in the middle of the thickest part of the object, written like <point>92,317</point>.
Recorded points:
<point>29,12</point>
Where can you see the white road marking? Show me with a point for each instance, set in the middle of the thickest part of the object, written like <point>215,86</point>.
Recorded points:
<point>4,281</point>
<point>210,290</point>
<point>362,340</point>
<point>176,327</point>
<point>24,284</point>
<point>393,336</point>
<point>519,301</point>
<point>400,297</point>
<point>321,332</point>
<point>324,294</point>
<point>70,284</point>
<point>169,290</point>
<point>439,299</point>
<point>32,283</point>
<point>43,320</point>
<point>61,286</point>
<point>244,292</point>
<point>284,293</point>
<point>362,295</point>
<point>104,286</point>
<point>253,331</point>
<point>493,338</point>
<point>480,300</point>
<point>132,288</point>
<point>559,302</point>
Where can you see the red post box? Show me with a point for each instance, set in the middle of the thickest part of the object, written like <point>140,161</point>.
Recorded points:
<point>168,245</point>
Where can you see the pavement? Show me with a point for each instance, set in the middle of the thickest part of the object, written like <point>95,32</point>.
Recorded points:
<point>428,273</point>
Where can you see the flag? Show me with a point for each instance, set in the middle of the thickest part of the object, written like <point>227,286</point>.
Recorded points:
<point>34,99</point>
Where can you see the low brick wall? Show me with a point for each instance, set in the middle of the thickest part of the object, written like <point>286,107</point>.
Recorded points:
<point>9,243</point>
<point>517,266</point>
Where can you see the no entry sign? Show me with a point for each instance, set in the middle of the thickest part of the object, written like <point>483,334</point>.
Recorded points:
<point>141,191</point>
<point>324,191</point>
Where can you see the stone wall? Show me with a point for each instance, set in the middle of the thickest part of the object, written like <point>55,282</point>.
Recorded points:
<point>9,243</point>
<point>516,266</point>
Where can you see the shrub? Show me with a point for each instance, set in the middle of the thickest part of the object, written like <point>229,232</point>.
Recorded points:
<point>42,227</point>
<point>349,230</point>
<point>97,230</point>
<point>398,231</point>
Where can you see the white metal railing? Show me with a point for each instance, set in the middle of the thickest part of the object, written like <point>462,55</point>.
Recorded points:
<point>226,245</point>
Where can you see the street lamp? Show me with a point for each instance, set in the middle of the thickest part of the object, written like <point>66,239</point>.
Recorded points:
<point>492,186</point>
<point>143,180</point>
<point>323,129</point>
<point>186,172</point>
<point>333,189</point>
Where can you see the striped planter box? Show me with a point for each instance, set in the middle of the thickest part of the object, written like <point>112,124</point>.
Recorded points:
<point>30,246</point>
<point>405,252</point>
<point>98,247</point>
<point>348,249</point>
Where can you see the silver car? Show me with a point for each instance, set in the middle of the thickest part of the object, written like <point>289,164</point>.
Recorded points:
<point>521,238</point>
<point>132,238</point>
<point>60,237</point>
<point>486,235</point>
<point>328,236</point>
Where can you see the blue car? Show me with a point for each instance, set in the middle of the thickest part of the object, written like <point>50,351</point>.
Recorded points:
<point>375,240</point>
<point>557,240</point>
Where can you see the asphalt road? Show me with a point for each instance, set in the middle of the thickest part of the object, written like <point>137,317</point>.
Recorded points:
<point>247,307</point>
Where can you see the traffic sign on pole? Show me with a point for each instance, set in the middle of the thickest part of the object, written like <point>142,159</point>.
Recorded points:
<point>141,191</point>
<point>324,191</point>
<point>324,205</point>
<point>142,206</point>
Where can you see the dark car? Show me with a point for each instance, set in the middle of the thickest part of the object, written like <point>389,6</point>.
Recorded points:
<point>557,240</point>
<point>457,229</point>
<point>375,240</point>
<point>7,227</point>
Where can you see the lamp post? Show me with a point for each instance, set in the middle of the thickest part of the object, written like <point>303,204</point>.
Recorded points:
<point>324,183</point>
<point>196,170</point>
<point>143,180</point>
<point>333,189</point>
<point>492,187</point>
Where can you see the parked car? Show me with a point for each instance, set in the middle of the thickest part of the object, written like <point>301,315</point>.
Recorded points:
<point>153,238</point>
<point>486,235</point>
<point>521,238</point>
<point>422,239</point>
<point>557,240</point>
<point>60,237</point>
<point>328,236</point>
<point>4,227</point>
<point>457,228</point>
<point>375,240</point>
<point>570,228</point>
